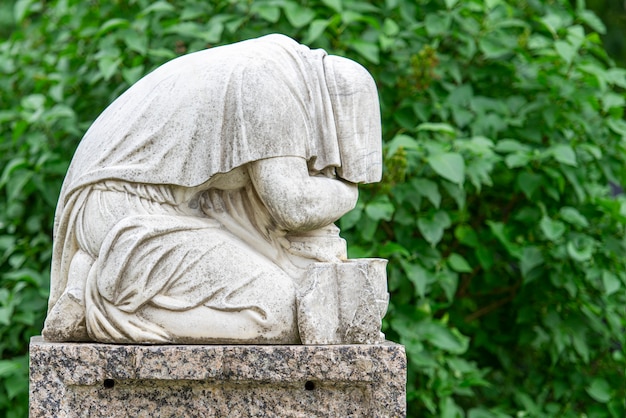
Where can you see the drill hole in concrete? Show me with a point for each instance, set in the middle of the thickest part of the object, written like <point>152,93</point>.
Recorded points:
<point>309,385</point>
<point>109,383</point>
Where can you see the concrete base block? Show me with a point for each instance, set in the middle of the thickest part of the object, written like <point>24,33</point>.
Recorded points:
<point>106,380</point>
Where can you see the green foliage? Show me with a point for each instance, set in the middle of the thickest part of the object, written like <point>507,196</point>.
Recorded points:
<point>504,133</point>
<point>612,14</point>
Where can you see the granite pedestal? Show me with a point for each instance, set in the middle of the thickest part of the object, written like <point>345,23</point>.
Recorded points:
<point>106,380</point>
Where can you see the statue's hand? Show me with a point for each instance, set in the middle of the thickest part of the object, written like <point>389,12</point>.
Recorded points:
<point>296,200</point>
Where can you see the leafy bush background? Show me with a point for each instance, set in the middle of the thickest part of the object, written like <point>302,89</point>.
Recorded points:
<point>500,208</point>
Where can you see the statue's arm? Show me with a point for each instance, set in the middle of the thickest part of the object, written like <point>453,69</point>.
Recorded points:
<point>297,200</point>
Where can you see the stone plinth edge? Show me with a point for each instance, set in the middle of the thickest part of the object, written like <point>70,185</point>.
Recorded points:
<point>107,380</point>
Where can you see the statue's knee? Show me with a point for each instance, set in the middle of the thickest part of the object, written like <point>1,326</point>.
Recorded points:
<point>79,269</point>
<point>280,322</point>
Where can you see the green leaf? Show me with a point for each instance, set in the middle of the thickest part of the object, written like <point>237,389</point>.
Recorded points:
<point>390,28</point>
<point>316,28</point>
<point>34,102</point>
<point>480,413</point>
<point>531,258</point>
<point>22,9</point>
<point>132,75</point>
<point>159,6</point>
<point>553,230</point>
<point>572,216</point>
<point>437,24</point>
<point>493,47</point>
<point>350,16</point>
<point>498,231</point>
<point>580,345</point>
<point>108,66</point>
<point>617,76</point>
<point>442,337</point>
<point>428,189</point>
<point>15,165</point>
<point>367,50</point>
<point>599,390</point>
<point>612,100</point>
<point>382,208</point>
<point>192,12</point>
<point>163,53</point>
<point>479,172</point>
<point>436,127</point>
<point>351,218</point>
<point>553,22</point>
<point>485,257</point>
<point>298,15</point>
<point>392,248</point>
<point>618,126</point>
<point>564,154</point>
<point>565,50</point>
<point>460,97</point>
<point>449,282</point>
<point>517,160</point>
<point>574,178</point>
<point>576,36</point>
<point>459,264</point>
<point>9,368</point>
<point>405,117</point>
<point>136,42</point>
<point>511,145</point>
<point>419,276</point>
<point>367,228</point>
<point>529,182</point>
<point>334,4</point>
<point>5,315</point>
<point>210,34</point>
<point>492,3</point>
<point>17,184</point>
<point>456,192</point>
<point>16,384</point>
<point>449,165</point>
<point>611,282</point>
<point>581,249</point>
<point>112,24</point>
<point>592,21</point>
<point>401,141</point>
<point>466,235</point>
<point>267,12</point>
<point>432,227</point>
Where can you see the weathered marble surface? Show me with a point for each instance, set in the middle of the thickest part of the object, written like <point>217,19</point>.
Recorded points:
<point>199,206</point>
<point>101,380</point>
<point>343,302</point>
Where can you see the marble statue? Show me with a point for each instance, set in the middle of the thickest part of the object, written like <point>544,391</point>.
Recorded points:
<point>199,206</point>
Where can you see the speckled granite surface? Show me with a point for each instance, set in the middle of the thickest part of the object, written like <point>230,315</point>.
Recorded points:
<point>103,380</point>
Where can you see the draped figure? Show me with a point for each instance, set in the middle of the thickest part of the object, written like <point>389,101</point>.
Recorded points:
<point>196,201</point>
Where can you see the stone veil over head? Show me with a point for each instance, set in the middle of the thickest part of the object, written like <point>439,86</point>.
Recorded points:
<point>198,203</point>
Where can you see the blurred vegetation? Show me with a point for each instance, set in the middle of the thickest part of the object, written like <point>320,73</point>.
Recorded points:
<point>500,211</point>
<point>613,14</point>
